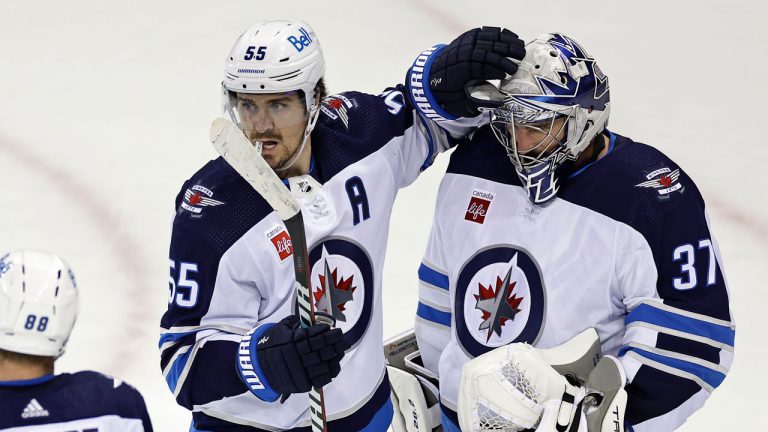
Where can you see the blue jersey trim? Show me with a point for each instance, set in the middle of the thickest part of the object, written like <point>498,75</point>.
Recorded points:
<point>311,163</point>
<point>433,277</point>
<point>382,419</point>
<point>430,142</point>
<point>708,375</point>
<point>431,314</point>
<point>29,382</point>
<point>175,372</point>
<point>649,314</point>
<point>611,146</point>
<point>166,337</point>
<point>375,415</point>
<point>449,419</point>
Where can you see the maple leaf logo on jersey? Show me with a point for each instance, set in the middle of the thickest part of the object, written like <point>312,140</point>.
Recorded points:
<point>336,107</point>
<point>333,293</point>
<point>498,305</point>
<point>664,180</point>
<point>195,198</point>
<point>198,197</point>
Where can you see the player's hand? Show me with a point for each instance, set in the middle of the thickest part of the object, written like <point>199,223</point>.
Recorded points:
<point>295,359</point>
<point>478,55</point>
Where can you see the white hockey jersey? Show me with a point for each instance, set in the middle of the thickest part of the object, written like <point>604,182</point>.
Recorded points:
<point>231,267</point>
<point>624,248</point>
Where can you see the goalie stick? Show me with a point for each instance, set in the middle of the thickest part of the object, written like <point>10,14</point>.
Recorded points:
<point>238,151</point>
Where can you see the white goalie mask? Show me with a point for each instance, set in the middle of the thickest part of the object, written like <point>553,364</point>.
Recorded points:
<point>560,93</point>
<point>38,303</point>
<point>275,57</point>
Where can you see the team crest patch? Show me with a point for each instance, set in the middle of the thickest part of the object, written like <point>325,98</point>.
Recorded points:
<point>198,197</point>
<point>479,203</point>
<point>281,241</point>
<point>664,181</point>
<point>500,299</point>
<point>336,107</point>
<point>341,282</point>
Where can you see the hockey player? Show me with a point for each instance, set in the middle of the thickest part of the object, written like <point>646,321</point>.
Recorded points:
<point>568,226</point>
<point>38,308</point>
<point>231,316</point>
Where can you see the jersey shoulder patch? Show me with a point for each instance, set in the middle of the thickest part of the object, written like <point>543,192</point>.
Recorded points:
<point>354,125</point>
<point>347,108</point>
<point>634,183</point>
<point>219,205</point>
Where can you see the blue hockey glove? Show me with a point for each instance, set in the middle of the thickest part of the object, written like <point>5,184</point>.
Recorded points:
<point>478,55</point>
<point>284,358</point>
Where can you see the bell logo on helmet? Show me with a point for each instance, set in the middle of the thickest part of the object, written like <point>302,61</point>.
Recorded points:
<point>302,41</point>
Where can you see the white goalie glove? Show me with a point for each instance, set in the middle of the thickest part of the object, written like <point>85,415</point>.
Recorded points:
<point>518,387</point>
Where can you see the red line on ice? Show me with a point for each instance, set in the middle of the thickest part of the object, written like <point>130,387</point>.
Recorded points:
<point>125,248</point>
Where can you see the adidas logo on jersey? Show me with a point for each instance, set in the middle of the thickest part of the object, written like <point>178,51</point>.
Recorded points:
<point>34,409</point>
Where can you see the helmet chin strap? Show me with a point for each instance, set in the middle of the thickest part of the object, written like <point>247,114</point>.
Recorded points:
<point>307,131</point>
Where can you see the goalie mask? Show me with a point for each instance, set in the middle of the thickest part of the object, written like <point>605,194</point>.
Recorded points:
<point>558,101</point>
<point>273,58</point>
<point>38,303</point>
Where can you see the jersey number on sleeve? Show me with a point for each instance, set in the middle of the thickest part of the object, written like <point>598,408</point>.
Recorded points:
<point>686,254</point>
<point>183,292</point>
<point>394,101</point>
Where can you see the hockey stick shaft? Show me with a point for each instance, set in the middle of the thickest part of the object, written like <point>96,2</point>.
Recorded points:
<point>235,148</point>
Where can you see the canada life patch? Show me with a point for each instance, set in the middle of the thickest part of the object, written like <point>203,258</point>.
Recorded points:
<point>663,180</point>
<point>479,203</point>
<point>282,242</point>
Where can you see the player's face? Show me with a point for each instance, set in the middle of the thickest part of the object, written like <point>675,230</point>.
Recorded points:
<point>538,139</point>
<point>277,120</point>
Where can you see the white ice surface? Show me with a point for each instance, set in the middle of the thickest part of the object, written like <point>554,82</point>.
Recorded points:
<point>105,108</point>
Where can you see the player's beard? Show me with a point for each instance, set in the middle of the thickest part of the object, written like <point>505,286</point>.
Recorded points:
<point>278,155</point>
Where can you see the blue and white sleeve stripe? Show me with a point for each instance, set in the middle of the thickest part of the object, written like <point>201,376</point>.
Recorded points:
<point>433,314</point>
<point>179,348</point>
<point>650,321</point>
<point>434,297</point>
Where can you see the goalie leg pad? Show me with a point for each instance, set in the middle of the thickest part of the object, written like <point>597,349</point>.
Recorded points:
<point>414,388</point>
<point>416,400</point>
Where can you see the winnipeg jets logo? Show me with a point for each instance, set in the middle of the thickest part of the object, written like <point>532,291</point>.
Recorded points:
<point>664,180</point>
<point>500,304</point>
<point>342,284</point>
<point>334,292</point>
<point>500,299</point>
<point>198,197</point>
